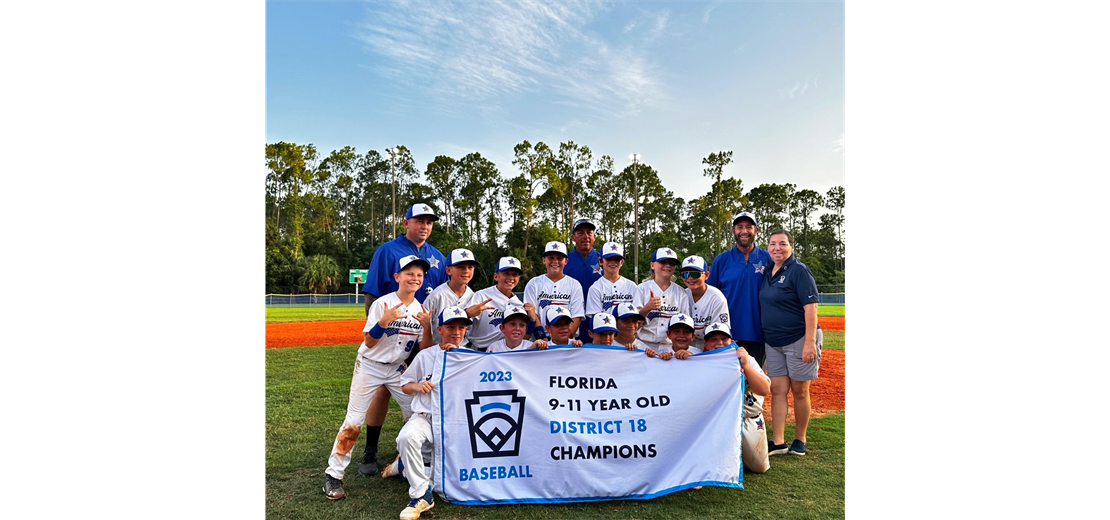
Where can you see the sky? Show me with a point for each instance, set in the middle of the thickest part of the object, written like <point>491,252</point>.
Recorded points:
<point>672,81</point>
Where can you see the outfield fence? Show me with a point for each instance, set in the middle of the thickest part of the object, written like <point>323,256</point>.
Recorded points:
<point>357,300</point>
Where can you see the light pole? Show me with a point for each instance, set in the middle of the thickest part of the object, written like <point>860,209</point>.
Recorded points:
<point>392,154</point>
<point>635,158</point>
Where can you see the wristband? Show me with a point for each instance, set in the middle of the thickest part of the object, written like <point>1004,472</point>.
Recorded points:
<point>539,333</point>
<point>377,331</point>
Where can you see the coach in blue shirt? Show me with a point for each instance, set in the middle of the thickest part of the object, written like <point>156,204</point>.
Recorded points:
<point>583,263</point>
<point>788,307</point>
<point>418,223</point>
<point>738,273</point>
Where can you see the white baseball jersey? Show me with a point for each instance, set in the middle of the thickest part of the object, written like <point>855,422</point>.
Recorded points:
<point>401,335</point>
<point>500,346</point>
<point>542,292</point>
<point>604,295</point>
<point>484,329</point>
<point>441,298</point>
<point>426,366</point>
<point>674,301</point>
<point>712,307</point>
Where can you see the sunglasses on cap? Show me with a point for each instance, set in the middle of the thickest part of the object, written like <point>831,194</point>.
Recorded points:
<point>691,274</point>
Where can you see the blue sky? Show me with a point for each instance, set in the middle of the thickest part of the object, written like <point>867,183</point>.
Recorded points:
<point>673,81</point>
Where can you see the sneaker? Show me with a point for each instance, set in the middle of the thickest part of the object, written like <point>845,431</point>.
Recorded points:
<point>797,447</point>
<point>333,488</point>
<point>369,465</point>
<point>417,506</point>
<point>776,449</point>
<point>394,468</point>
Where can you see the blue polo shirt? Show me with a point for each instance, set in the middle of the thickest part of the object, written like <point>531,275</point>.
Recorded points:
<point>781,302</point>
<point>740,280</point>
<point>379,277</point>
<point>587,271</point>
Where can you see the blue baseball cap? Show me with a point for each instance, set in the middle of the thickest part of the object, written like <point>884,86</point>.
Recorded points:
<point>680,320</point>
<point>663,254</point>
<point>611,250</point>
<point>747,215</point>
<point>718,327</point>
<point>694,262</point>
<point>603,321</point>
<point>627,310</point>
<point>453,314</point>
<point>460,256</point>
<point>406,260</point>
<point>420,210</point>
<point>508,262</point>
<point>556,313</point>
<point>583,222</point>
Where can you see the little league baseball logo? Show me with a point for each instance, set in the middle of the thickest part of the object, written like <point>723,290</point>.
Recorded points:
<point>494,419</point>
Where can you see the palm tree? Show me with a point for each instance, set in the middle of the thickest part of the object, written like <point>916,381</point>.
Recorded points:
<point>320,272</point>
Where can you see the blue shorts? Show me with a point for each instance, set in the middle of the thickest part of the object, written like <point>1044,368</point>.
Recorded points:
<point>787,360</point>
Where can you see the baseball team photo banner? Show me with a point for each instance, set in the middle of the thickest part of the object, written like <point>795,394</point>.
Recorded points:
<point>584,424</point>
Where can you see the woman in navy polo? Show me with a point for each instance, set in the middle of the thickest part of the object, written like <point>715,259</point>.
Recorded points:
<point>788,312</point>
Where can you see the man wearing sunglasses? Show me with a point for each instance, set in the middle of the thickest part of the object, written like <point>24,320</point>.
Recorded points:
<point>709,303</point>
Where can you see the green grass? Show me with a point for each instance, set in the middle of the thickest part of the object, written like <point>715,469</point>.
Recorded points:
<point>286,314</point>
<point>306,398</point>
<point>833,339</point>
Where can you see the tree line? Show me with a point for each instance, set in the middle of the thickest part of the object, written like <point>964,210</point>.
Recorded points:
<point>327,214</point>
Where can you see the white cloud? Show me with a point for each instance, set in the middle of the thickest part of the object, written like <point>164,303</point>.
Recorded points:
<point>838,145</point>
<point>477,53</point>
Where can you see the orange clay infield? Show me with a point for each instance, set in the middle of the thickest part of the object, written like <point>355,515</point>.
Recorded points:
<point>826,393</point>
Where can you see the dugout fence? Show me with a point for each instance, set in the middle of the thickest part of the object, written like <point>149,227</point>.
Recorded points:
<point>356,300</point>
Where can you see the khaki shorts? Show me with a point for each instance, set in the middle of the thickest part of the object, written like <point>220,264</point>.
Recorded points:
<point>787,360</point>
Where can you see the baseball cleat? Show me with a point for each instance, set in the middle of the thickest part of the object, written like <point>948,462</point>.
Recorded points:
<point>394,468</point>
<point>417,506</point>
<point>797,448</point>
<point>333,488</point>
<point>776,449</point>
<point>369,465</point>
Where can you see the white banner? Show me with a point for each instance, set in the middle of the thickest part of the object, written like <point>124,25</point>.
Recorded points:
<point>583,424</point>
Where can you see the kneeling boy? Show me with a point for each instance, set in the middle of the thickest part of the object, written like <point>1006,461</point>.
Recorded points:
<point>560,325</point>
<point>754,440</point>
<point>417,431</point>
<point>514,327</point>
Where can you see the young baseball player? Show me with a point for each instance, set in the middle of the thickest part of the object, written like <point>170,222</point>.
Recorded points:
<point>487,324</point>
<point>561,326</point>
<point>680,330</point>
<point>708,303</point>
<point>554,289</point>
<point>754,442</point>
<point>611,289</point>
<point>455,292</point>
<point>658,299</point>
<point>514,328</point>
<point>629,321</point>
<point>396,324</point>
<point>603,328</point>
<point>416,435</point>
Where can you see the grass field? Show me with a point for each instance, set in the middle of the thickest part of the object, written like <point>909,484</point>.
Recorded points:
<point>306,396</point>
<point>286,314</point>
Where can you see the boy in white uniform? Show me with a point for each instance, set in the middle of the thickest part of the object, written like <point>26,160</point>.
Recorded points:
<point>514,328</point>
<point>754,440</point>
<point>416,434</point>
<point>487,324</point>
<point>396,324</point>
<point>680,330</point>
<point>561,326</point>
<point>611,289</point>
<point>658,299</point>
<point>603,328</point>
<point>629,320</point>
<point>455,292</point>
<point>709,303</point>
<point>554,289</point>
